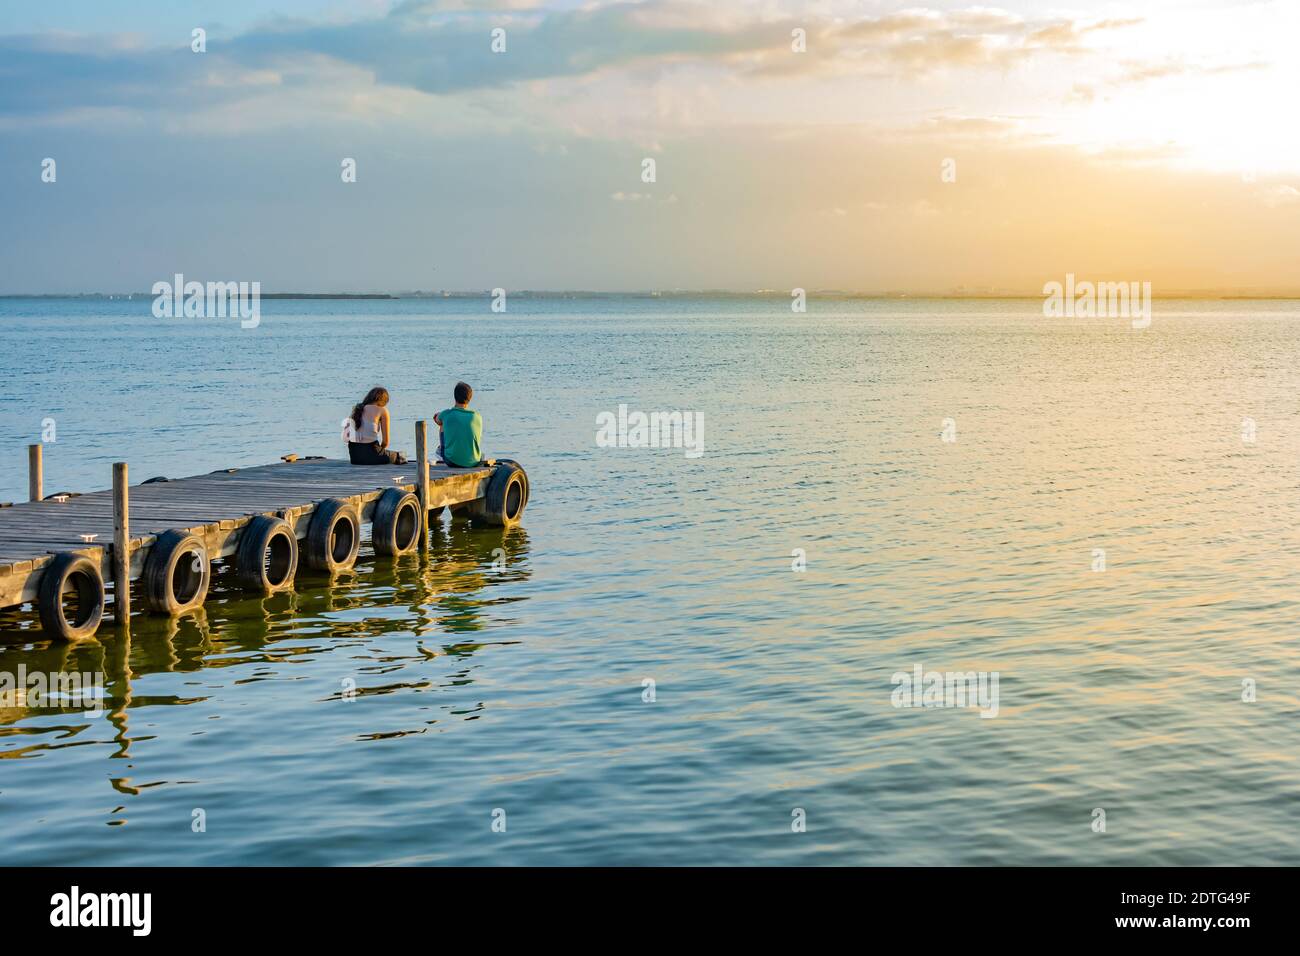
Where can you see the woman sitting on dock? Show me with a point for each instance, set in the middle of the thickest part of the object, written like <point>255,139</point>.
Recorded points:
<point>371,432</point>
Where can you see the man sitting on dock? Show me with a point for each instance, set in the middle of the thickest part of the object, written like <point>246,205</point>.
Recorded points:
<point>462,431</point>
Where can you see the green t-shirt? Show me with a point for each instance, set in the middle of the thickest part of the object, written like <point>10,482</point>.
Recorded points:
<point>462,435</point>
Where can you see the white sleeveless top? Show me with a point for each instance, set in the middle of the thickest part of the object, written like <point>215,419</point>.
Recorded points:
<point>369,430</point>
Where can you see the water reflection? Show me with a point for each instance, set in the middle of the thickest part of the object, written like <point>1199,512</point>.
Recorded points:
<point>466,562</point>
<point>434,600</point>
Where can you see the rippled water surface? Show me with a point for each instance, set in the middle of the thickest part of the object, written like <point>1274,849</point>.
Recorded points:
<point>521,689</point>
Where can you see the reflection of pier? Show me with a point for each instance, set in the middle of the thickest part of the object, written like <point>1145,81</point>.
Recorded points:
<point>446,600</point>
<point>164,535</point>
<point>58,657</point>
<point>467,563</point>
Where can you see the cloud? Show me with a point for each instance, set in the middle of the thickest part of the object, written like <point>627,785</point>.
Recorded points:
<point>443,47</point>
<point>1135,73</point>
<point>966,127</point>
<point>41,74</point>
<point>1282,195</point>
<point>916,42</point>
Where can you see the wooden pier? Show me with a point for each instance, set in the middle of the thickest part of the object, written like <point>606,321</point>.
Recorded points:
<point>163,535</point>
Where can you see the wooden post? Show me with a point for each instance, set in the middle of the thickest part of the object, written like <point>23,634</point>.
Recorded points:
<point>121,546</point>
<point>35,473</point>
<point>422,482</point>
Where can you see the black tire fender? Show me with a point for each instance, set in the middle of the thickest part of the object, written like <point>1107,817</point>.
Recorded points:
<point>68,571</point>
<point>395,523</point>
<point>267,540</point>
<point>176,573</point>
<point>333,536</point>
<point>523,474</point>
<point>506,497</point>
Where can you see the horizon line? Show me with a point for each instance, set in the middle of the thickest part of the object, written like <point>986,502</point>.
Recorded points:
<point>1205,294</point>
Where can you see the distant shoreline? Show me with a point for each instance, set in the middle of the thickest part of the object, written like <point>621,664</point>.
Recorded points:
<point>148,295</point>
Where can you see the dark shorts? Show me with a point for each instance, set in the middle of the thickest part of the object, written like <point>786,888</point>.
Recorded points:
<point>368,453</point>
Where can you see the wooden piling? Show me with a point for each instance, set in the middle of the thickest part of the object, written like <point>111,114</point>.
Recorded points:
<point>35,473</point>
<point>422,481</point>
<point>121,546</point>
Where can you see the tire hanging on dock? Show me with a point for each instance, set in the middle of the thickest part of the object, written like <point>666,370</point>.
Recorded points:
<point>395,524</point>
<point>506,497</point>
<point>80,575</point>
<point>333,536</point>
<point>267,555</point>
<point>176,573</point>
<point>528,488</point>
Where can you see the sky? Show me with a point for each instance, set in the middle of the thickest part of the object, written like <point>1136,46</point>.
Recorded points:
<point>873,147</point>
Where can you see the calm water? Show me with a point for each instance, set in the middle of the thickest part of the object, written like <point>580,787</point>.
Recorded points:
<point>521,689</point>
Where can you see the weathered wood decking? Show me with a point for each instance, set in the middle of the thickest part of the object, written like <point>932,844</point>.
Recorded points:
<point>215,506</point>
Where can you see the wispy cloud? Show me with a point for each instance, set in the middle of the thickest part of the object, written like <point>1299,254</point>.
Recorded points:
<point>1138,72</point>
<point>917,42</point>
<point>443,48</point>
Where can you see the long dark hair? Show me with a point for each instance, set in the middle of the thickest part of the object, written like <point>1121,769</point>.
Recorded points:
<point>373,397</point>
